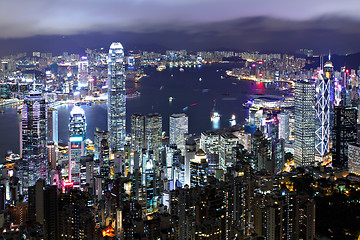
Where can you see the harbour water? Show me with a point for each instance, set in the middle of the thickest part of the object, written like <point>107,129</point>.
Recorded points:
<point>193,92</point>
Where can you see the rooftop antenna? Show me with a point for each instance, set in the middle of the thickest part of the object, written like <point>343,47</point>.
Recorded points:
<point>329,55</point>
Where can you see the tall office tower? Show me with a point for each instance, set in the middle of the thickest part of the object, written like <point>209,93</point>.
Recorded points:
<point>101,145</point>
<point>343,133</point>
<point>178,128</point>
<point>116,97</point>
<point>227,144</point>
<point>153,134</point>
<point>329,74</point>
<point>198,169</point>
<point>83,72</point>
<point>137,132</point>
<point>77,133</point>
<point>260,148</point>
<point>322,110</point>
<point>189,155</point>
<point>53,125</point>
<point>150,185</point>
<point>33,139</point>
<point>304,150</point>
<point>284,130</point>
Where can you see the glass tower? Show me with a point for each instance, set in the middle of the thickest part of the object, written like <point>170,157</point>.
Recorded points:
<point>322,109</point>
<point>77,133</point>
<point>153,134</point>
<point>116,97</point>
<point>304,150</point>
<point>178,128</point>
<point>33,139</point>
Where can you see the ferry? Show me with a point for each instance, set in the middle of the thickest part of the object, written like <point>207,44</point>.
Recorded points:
<point>161,68</point>
<point>181,69</point>
<point>232,121</point>
<point>133,95</point>
<point>214,115</point>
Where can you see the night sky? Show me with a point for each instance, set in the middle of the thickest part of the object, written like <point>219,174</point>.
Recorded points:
<point>272,25</point>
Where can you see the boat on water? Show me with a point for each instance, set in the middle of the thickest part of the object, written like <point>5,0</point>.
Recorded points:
<point>232,121</point>
<point>214,115</point>
<point>200,79</point>
<point>161,68</point>
<point>171,99</point>
<point>133,95</point>
<point>181,69</point>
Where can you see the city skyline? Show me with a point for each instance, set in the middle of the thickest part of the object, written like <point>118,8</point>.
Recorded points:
<point>192,119</point>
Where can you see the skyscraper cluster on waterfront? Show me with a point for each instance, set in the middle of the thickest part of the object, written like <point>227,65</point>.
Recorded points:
<point>257,180</point>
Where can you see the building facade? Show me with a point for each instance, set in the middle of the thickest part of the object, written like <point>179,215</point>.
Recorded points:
<point>304,139</point>
<point>179,126</point>
<point>116,97</point>
<point>33,139</point>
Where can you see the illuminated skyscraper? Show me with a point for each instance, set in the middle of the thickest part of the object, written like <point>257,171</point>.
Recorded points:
<point>83,75</point>
<point>33,139</point>
<point>284,130</point>
<point>322,110</point>
<point>53,125</point>
<point>153,134</point>
<point>304,150</point>
<point>137,132</point>
<point>343,133</point>
<point>178,128</point>
<point>116,97</point>
<point>77,133</point>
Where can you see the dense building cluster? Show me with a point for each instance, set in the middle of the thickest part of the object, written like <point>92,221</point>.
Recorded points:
<point>260,180</point>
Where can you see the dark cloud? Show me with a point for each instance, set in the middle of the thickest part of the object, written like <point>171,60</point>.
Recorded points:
<point>23,18</point>
<point>275,25</point>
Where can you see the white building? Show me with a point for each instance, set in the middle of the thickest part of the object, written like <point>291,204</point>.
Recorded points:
<point>284,130</point>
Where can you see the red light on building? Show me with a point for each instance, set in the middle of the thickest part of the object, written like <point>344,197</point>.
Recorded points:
<point>347,71</point>
<point>260,74</point>
<point>68,184</point>
<point>260,62</point>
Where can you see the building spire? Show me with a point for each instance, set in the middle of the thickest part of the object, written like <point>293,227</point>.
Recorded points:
<point>329,55</point>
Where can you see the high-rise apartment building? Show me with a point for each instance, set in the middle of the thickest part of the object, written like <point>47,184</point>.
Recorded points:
<point>33,135</point>
<point>304,150</point>
<point>116,97</point>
